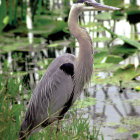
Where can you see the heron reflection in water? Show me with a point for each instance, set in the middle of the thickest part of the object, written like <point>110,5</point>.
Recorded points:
<point>65,78</point>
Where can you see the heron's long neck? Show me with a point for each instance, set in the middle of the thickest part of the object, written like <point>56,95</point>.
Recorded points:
<point>84,62</point>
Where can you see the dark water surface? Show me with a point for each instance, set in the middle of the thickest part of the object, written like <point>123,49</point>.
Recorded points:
<point>117,111</point>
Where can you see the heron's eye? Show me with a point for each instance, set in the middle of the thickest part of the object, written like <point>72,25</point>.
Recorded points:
<point>87,3</point>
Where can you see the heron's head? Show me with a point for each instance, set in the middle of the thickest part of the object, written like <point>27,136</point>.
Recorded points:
<point>92,5</point>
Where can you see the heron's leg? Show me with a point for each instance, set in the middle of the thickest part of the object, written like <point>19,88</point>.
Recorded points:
<point>58,126</point>
<point>51,131</point>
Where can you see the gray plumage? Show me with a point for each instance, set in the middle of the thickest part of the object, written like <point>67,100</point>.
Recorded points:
<point>49,96</point>
<point>63,81</point>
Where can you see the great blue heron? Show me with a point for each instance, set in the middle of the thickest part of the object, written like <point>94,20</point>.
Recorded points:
<point>64,79</point>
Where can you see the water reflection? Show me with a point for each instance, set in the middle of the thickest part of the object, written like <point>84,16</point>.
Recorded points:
<point>113,110</point>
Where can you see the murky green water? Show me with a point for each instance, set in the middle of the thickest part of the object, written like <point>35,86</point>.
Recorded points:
<point>117,111</point>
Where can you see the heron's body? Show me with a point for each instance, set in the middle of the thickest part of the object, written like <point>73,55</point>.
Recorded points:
<point>50,94</point>
<point>63,81</point>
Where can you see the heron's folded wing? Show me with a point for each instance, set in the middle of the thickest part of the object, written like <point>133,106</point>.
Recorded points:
<point>51,94</point>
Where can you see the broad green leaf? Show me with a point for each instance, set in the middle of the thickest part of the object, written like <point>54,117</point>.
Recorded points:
<point>113,74</point>
<point>113,59</point>
<point>103,16</point>
<point>101,39</point>
<point>127,73</point>
<point>93,24</point>
<point>47,27</point>
<point>121,130</point>
<point>124,50</point>
<point>129,41</point>
<point>116,3</point>
<point>117,15</point>
<point>53,45</point>
<point>98,56</point>
<point>125,39</point>
<point>15,46</point>
<point>133,11</point>
<point>20,29</point>
<point>131,121</point>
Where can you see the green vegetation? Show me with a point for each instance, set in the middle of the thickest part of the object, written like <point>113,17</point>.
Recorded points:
<point>21,61</point>
<point>13,101</point>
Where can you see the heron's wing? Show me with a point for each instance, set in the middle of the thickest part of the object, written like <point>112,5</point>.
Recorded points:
<point>53,92</point>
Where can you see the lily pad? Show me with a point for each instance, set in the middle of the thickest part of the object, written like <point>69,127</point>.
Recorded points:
<point>127,73</point>
<point>131,121</point>
<point>137,88</point>
<point>135,135</point>
<point>121,130</point>
<point>84,103</point>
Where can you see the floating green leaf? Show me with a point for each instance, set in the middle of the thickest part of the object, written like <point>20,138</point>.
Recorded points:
<point>121,130</point>
<point>86,102</point>
<point>137,88</point>
<point>127,73</point>
<point>132,121</point>
<point>135,135</point>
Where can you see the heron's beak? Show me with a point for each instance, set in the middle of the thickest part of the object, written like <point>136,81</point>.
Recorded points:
<point>93,5</point>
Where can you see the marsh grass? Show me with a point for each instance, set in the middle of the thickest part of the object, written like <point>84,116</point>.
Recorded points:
<point>12,108</point>
<point>76,128</point>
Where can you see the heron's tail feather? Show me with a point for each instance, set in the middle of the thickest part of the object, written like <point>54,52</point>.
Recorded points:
<point>24,130</point>
<point>22,136</point>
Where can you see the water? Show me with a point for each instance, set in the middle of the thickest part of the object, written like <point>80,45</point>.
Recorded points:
<point>117,111</point>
